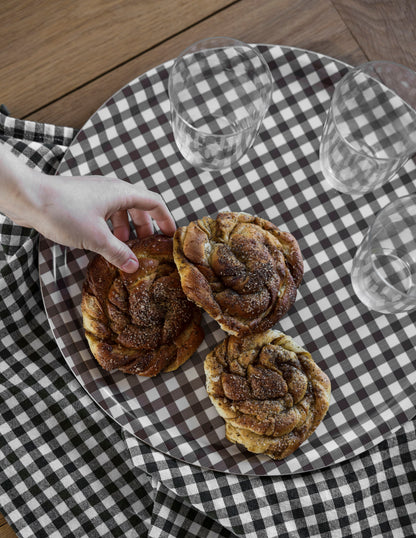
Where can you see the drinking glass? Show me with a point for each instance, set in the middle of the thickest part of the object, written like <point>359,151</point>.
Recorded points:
<point>384,267</point>
<point>219,91</point>
<point>370,130</point>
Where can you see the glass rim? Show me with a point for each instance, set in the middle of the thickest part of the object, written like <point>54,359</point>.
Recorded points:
<point>370,229</point>
<point>267,100</point>
<point>336,94</point>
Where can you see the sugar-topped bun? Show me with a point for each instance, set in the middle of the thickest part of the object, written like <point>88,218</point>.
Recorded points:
<point>140,323</point>
<point>269,390</point>
<point>242,270</point>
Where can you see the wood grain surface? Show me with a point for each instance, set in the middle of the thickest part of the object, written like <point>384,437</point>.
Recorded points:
<point>52,48</point>
<point>5,530</point>
<point>249,20</point>
<point>60,60</point>
<point>384,29</point>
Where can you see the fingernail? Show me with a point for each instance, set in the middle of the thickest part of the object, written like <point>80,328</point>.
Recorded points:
<point>130,266</point>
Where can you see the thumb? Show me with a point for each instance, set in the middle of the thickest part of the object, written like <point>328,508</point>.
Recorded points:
<point>119,254</point>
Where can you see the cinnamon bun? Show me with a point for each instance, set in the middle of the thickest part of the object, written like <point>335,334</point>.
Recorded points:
<point>140,323</point>
<point>241,269</point>
<point>270,392</point>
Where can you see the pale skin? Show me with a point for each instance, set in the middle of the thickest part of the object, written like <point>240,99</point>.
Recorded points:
<point>73,211</point>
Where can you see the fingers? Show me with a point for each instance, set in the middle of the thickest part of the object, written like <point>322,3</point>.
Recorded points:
<point>121,226</point>
<point>153,204</point>
<point>142,205</point>
<point>121,199</point>
<point>142,222</point>
<point>116,252</point>
<point>167,225</point>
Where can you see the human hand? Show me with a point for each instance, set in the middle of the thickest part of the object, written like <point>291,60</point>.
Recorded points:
<point>74,211</point>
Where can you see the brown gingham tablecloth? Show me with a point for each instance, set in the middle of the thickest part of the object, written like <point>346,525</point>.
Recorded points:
<point>67,469</point>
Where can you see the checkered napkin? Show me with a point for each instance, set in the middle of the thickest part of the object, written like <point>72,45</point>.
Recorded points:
<point>67,469</point>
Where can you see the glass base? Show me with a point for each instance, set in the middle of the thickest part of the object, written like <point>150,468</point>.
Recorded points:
<point>334,183</point>
<point>369,301</point>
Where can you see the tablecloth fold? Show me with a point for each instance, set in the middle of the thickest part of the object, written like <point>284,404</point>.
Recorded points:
<point>67,469</point>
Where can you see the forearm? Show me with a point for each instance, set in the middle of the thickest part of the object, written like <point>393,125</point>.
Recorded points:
<point>20,189</point>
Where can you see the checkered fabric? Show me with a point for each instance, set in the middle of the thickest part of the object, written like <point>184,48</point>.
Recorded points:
<point>365,354</point>
<point>65,468</point>
<point>68,469</point>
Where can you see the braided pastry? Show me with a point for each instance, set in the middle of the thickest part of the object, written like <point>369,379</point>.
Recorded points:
<point>268,389</point>
<point>240,269</point>
<point>140,323</point>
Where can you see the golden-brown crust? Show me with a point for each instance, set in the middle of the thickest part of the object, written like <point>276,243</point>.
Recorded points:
<point>241,269</point>
<point>140,323</point>
<point>269,390</point>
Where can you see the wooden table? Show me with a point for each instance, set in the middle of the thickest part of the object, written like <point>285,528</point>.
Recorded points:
<point>59,61</point>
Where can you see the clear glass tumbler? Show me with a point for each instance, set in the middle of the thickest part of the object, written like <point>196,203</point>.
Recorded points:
<point>370,130</point>
<point>384,267</point>
<point>219,91</point>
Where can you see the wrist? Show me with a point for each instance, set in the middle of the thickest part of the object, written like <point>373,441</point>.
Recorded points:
<point>20,189</point>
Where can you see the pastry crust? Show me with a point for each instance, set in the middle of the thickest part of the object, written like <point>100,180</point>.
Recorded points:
<point>269,391</point>
<point>140,323</point>
<point>241,269</point>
